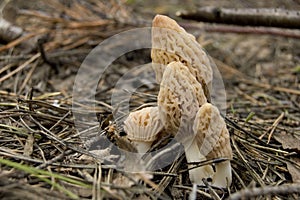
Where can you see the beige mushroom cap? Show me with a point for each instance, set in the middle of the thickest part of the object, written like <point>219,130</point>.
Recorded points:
<point>142,127</point>
<point>213,141</point>
<point>211,133</point>
<point>179,98</point>
<point>170,42</point>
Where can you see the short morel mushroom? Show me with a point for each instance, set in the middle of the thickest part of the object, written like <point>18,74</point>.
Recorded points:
<point>170,42</point>
<point>142,128</point>
<point>213,141</point>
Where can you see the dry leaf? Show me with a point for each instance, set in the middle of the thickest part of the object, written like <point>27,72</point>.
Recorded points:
<point>101,154</point>
<point>28,149</point>
<point>79,191</point>
<point>142,197</point>
<point>288,140</point>
<point>122,180</point>
<point>293,170</point>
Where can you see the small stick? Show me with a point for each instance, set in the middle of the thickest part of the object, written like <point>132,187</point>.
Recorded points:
<point>254,30</point>
<point>21,39</point>
<point>55,159</point>
<point>27,78</point>
<point>213,193</point>
<point>274,125</point>
<point>21,67</point>
<point>244,29</point>
<point>246,164</point>
<point>44,57</point>
<point>189,188</point>
<point>266,190</point>
<point>202,163</point>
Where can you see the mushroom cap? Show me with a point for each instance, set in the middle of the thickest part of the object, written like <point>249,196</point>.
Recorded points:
<point>211,133</point>
<point>179,98</point>
<point>170,42</point>
<point>143,125</point>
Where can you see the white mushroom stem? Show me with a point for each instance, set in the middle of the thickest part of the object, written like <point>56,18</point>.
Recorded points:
<point>222,177</point>
<point>193,154</point>
<point>142,146</point>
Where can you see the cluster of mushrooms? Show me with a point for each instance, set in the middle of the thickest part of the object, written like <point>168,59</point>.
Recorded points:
<point>184,73</point>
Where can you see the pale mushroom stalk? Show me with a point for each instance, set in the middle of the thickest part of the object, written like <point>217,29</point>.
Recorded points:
<point>142,146</point>
<point>193,154</point>
<point>222,176</point>
<point>212,139</point>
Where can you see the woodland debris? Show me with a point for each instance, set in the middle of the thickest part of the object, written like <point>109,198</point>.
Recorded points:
<point>273,17</point>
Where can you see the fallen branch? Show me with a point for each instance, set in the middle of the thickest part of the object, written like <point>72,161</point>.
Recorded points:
<point>247,17</point>
<point>290,33</point>
<point>267,190</point>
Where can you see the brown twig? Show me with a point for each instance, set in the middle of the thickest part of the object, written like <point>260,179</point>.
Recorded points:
<point>22,39</point>
<point>28,77</point>
<point>267,190</point>
<point>244,29</point>
<point>204,194</point>
<point>212,192</point>
<point>274,126</point>
<point>21,67</point>
<point>67,23</point>
<point>253,30</point>
<point>53,65</point>
<point>55,159</point>
<point>246,164</point>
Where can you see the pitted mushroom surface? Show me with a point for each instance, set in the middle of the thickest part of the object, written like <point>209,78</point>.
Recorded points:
<point>142,127</point>
<point>179,98</point>
<point>170,42</point>
<point>213,141</point>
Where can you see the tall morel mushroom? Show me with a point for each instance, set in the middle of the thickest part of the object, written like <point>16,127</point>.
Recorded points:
<point>213,141</point>
<point>170,42</point>
<point>142,128</point>
<point>179,98</point>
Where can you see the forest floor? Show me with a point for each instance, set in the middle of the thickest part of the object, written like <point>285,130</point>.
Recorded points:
<point>44,153</point>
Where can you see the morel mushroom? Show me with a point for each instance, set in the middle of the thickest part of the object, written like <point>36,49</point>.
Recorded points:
<point>179,98</point>
<point>212,140</point>
<point>142,128</point>
<point>170,42</point>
